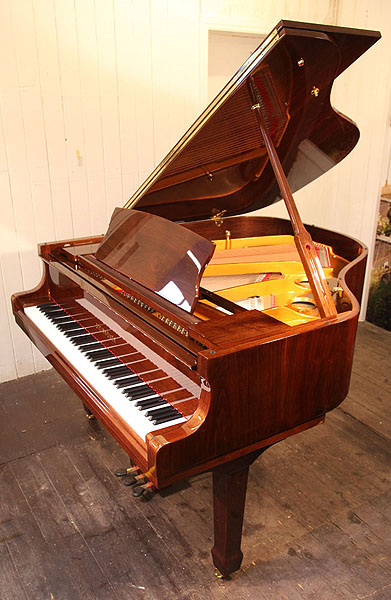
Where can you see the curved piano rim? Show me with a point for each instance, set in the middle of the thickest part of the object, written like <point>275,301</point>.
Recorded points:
<point>350,277</point>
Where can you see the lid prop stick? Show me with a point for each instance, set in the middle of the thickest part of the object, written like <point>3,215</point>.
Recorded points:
<point>304,244</point>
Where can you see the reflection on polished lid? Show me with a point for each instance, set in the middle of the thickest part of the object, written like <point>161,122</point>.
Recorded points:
<point>221,163</point>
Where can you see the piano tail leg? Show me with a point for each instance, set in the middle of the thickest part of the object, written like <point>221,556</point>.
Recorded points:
<point>229,497</point>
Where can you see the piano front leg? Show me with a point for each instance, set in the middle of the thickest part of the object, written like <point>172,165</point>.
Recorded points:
<point>229,497</point>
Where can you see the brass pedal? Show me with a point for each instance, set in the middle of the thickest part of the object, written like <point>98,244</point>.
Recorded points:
<point>129,471</point>
<point>144,492</point>
<point>132,478</point>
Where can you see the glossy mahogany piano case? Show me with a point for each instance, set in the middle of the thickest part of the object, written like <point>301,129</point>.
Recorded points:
<point>192,332</point>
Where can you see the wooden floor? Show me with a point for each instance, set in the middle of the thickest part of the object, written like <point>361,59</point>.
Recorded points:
<point>318,513</point>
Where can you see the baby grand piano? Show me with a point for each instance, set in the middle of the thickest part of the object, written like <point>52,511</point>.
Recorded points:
<point>199,338</point>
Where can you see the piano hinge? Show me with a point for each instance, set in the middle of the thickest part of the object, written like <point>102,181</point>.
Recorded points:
<point>217,215</point>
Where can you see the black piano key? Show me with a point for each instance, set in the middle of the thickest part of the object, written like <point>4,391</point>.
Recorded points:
<point>138,392</point>
<point>116,372</point>
<point>50,308</point>
<point>157,413</point>
<point>69,326</point>
<point>94,355</point>
<point>59,317</point>
<point>125,382</point>
<point>150,402</point>
<point>62,321</point>
<point>46,305</point>
<point>108,362</point>
<point>137,385</point>
<point>56,312</point>
<point>76,333</point>
<point>87,346</point>
<point>160,412</point>
<point>84,340</point>
<point>166,419</point>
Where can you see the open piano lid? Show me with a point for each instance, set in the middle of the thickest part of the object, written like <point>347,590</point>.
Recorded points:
<point>221,163</point>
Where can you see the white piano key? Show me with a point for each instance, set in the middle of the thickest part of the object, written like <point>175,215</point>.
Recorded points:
<point>88,371</point>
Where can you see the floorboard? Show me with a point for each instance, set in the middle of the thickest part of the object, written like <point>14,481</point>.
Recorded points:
<point>318,511</point>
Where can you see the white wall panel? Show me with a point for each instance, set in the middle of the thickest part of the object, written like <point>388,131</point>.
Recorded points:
<point>92,159</point>
<point>18,264</point>
<point>93,93</point>
<point>127,55</point>
<point>68,57</point>
<point>53,115</point>
<point>108,90</point>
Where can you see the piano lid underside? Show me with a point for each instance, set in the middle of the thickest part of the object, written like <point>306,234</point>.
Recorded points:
<point>222,164</point>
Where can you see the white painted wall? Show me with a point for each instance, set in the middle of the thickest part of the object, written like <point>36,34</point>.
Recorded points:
<point>227,51</point>
<point>93,93</point>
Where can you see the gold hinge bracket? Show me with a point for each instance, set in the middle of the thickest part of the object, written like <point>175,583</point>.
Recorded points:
<point>217,216</point>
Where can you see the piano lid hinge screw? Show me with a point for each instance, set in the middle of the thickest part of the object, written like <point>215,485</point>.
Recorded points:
<point>210,175</point>
<point>315,91</point>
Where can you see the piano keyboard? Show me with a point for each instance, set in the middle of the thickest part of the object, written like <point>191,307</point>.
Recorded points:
<point>130,383</point>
